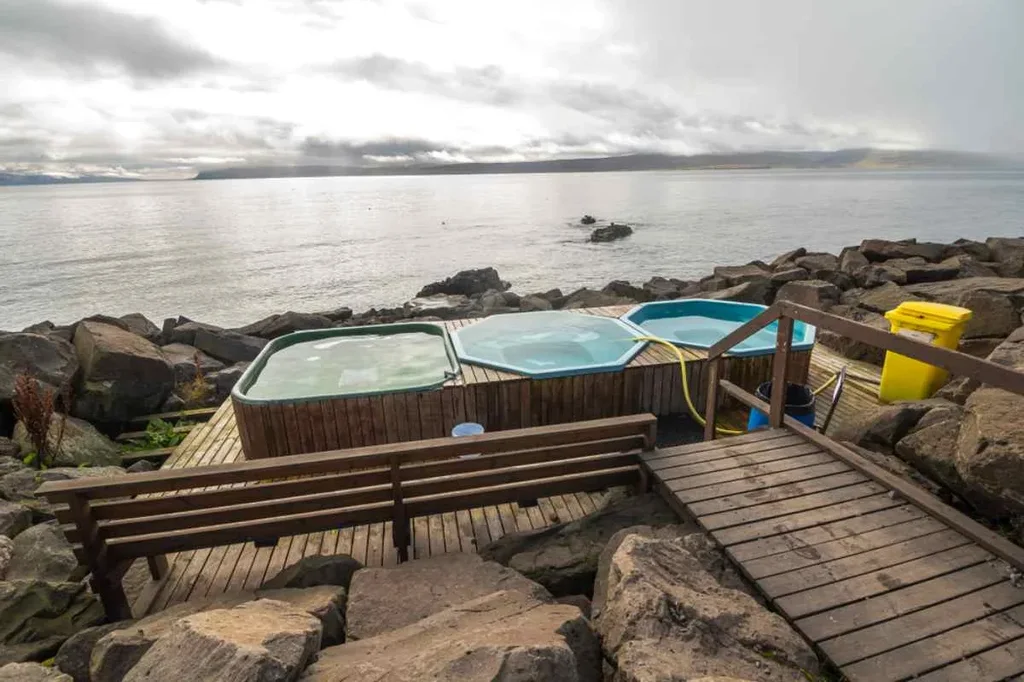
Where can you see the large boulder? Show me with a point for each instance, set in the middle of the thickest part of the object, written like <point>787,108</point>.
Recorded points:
<point>188,360</point>
<point>990,451</point>
<point>466,283</point>
<point>851,348</point>
<point>1009,253</point>
<point>506,635</point>
<point>228,346</point>
<point>881,299</point>
<point>665,618</point>
<point>996,302</point>
<point>969,247</point>
<point>32,672</point>
<point>917,269</point>
<point>262,641</point>
<point>930,446</point>
<point>42,553</point>
<point>529,304</point>
<point>383,599</point>
<point>787,260</point>
<point>563,558</point>
<point>19,486</point>
<point>624,289</point>
<point>589,298</point>
<point>311,571</point>
<point>662,289</point>
<point>326,603</point>
<point>813,293</point>
<point>139,324</point>
<point>871,276</point>
<point>885,426</point>
<point>818,264</point>
<point>756,291</point>
<point>790,275</point>
<point>278,325</point>
<point>80,444</point>
<point>443,306</point>
<point>33,611</point>
<point>882,249</point>
<point>182,330</point>
<point>851,260</point>
<point>123,375</point>
<point>51,361</point>
<point>14,518</point>
<point>738,274</point>
<point>967,266</point>
<point>73,656</point>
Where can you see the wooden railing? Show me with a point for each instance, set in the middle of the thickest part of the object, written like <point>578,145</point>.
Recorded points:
<point>785,313</point>
<point>957,363</point>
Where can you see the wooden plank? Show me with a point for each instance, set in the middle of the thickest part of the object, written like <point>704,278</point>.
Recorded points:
<point>754,483</point>
<point>199,414</point>
<point>366,422</point>
<point>136,435</point>
<point>421,538</point>
<point>761,497</point>
<point>993,665</point>
<point>837,549</point>
<point>393,420</point>
<point>380,424</point>
<point>901,602</point>
<point>673,468</point>
<point>869,584</point>
<point>928,654</point>
<point>315,419</point>
<point>859,564</point>
<point>785,507</point>
<point>659,458</point>
<point>375,544</point>
<point>716,445</point>
<point>801,520</point>
<point>329,426</point>
<point>811,537</point>
<point>773,466</point>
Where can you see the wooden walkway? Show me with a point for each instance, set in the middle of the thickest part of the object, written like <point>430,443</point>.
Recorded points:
<point>209,572</point>
<point>884,590</point>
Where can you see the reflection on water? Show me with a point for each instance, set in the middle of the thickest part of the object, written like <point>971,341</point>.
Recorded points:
<point>352,365</point>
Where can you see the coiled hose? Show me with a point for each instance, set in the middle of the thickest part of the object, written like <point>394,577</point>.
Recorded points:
<point>699,418</point>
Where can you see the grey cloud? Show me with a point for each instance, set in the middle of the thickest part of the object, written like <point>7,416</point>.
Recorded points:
<point>77,36</point>
<point>347,152</point>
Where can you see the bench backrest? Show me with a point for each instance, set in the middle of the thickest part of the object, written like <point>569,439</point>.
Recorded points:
<point>113,520</point>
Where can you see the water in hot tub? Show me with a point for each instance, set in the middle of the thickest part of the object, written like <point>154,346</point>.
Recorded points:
<point>699,330</point>
<point>352,365</point>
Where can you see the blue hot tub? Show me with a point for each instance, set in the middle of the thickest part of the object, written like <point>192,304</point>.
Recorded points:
<point>700,323</point>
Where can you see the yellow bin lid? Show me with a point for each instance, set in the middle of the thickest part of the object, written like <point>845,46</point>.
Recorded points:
<point>927,310</point>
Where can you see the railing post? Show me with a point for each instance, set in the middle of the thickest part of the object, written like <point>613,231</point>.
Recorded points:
<point>780,371</point>
<point>108,587</point>
<point>711,408</point>
<point>400,521</point>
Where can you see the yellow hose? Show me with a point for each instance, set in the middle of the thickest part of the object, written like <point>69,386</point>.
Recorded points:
<point>699,418</point>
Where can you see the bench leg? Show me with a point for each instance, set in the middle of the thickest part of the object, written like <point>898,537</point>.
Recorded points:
<point>157,566</point>
<point>112,596</point>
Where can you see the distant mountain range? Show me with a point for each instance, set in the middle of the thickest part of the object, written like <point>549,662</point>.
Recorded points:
<point>847,158</point>
<point>37,179</point>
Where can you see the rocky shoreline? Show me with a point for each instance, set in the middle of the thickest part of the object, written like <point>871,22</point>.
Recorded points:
<point>966,444</point>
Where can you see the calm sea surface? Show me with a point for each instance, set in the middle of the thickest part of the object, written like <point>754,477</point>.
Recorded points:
<point>232,251</point>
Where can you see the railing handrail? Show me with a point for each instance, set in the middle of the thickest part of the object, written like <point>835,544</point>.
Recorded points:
<point>985,371</point>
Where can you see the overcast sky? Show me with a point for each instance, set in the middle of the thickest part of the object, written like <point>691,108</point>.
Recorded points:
<point>163,88</point>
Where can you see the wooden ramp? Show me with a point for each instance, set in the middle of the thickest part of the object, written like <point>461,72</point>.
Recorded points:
<point>886,591</point>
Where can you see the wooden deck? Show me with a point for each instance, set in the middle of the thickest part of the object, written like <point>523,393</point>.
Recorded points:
<point>208,572</point>
<point>886,591</point>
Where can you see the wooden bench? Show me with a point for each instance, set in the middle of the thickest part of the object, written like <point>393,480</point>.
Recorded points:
<point>113,521</point>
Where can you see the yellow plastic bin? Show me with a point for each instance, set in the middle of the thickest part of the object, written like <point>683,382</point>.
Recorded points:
<point>934,323</point>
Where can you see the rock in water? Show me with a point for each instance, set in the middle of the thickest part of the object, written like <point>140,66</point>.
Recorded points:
<point>665,618</point>
<point>31,672</point>
<point>80,443</point>
<point>42,553</point>
<point>611,233</point>
<point>123,374</point>
<point>466,283</point>
<point>505,636</point>
<point>316,570</point>
<point>588,220</point>
<point>563,558</point>
<point>383,599</point>
<point>261,641</point>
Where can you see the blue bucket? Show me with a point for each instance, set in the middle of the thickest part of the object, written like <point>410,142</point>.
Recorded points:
<point>799,405</point>
<point>467,429</point>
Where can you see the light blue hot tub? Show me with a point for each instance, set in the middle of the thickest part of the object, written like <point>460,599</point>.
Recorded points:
<point>548,344</point>
<point>700,323</point>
